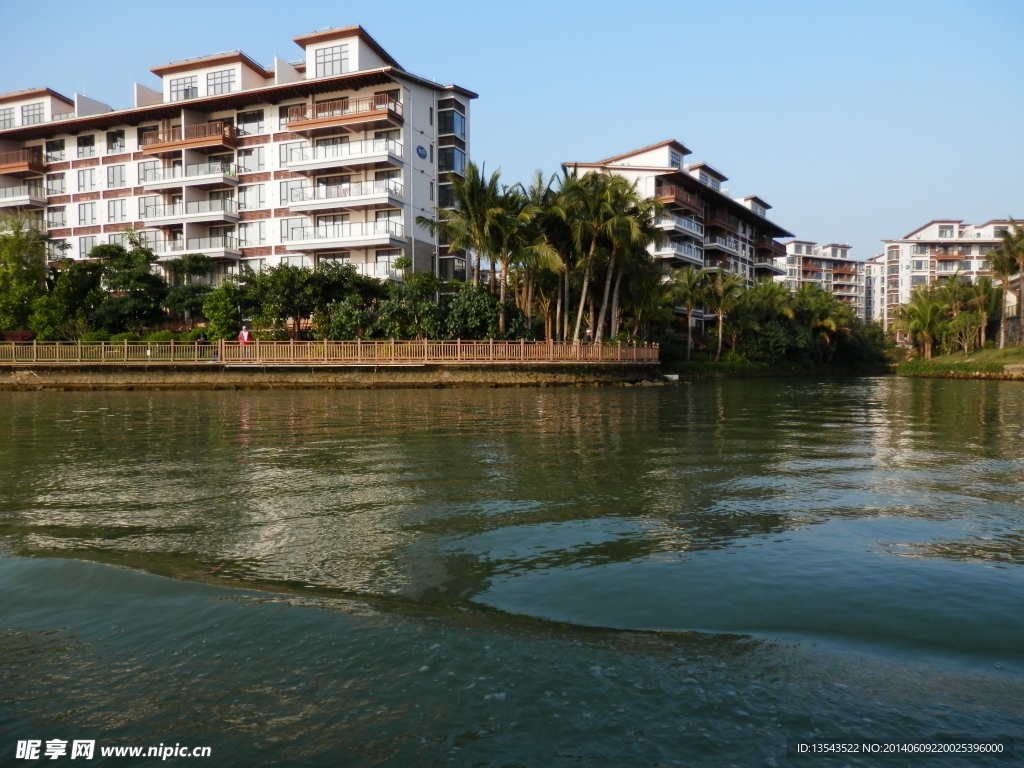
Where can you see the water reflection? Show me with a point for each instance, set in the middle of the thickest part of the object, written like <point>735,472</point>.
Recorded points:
<point>441,496</point>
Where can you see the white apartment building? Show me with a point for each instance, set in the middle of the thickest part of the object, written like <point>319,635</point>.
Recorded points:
<point>830,267</point>
<point>332,156</point>
<point>935,252</point>
<point>874,288</point>
<point>703,225</point>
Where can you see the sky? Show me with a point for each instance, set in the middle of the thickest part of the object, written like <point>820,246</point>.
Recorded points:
<point>858,121</point>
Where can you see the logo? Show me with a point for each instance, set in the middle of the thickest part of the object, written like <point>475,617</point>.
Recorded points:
<point>422,152</point>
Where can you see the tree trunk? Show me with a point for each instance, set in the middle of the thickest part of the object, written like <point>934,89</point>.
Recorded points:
<point>566,319</point>
<point>1002,321</point>
<point>615,320</point>
<point>721,333</point>
<point>558,311</point>
<point>531,286</point>
<point>583,290</point>
<point>476,268</point>
<point>604,298</point>
<point>491,279</point>
<point>504,293</point>
<point>689,330</point>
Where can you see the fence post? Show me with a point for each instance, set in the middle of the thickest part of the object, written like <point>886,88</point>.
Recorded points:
<point>392,349</point>
<point>172,350</point>
<point>522,349</point>
<point>458,349</point>
<point>79,350</point>
<point>618,355</point>
<point>426,349</point>
<point>126,350</point>
<point>359,349</point>
<point>490,349</point>
<point>220,352</point>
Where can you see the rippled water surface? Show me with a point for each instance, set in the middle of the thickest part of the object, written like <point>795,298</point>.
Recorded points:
<point>683,575</point>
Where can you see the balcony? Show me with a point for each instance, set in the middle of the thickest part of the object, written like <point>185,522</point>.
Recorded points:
<point>23,196</point>
<point>353,156</point>
<point>24,162</point>
<point>673,195</point>
<point>214,247</point>
<point>351,114</point>
<point>383,234</point>
<point>203,137</point>
<point>768,244</point>
<point>722,219</point>
<point>196,212</point>
<point>382,271</point>
<point>724,243</point>
<point>767,263</point>
<point>197,175</point>
<point>949,255</point>
<point>682,251</point>
<point>383,193</point>
<point>681,225</point>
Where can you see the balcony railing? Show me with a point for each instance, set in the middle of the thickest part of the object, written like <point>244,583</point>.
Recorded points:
<point>148,175</point>
<point>681,250</point>
<point>24,190</point>
<point>214,130</point>
<point>672,193</point>
<point>722,242</point>
<point>349,151</point>
<point>229,207</point>
<point>344,108</point>
<point>340,191</point>
<point>682,223</point>
<point>22,160</point>
<point>347,231</point>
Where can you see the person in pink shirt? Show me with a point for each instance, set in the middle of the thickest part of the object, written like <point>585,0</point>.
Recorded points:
<point>244,337</point>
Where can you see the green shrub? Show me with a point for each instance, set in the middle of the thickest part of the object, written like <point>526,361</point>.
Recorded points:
<point>93,336</point>
<point>946,369</point>
<point>161,336</point>
<point>118,338</point>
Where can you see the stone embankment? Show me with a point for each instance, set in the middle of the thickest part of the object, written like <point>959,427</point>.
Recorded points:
<point>214,377</point>
<point>927,369</point>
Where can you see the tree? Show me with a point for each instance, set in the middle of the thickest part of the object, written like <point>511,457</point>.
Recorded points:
<point>723,294</point>
<point>223,310</point>
<point>136,293</point>
<point>67,309</point>
<point>508,235</point>
<point>987,301</point>
<point>186,296</point>
<point>689,289</point>
<point>1002,263</point>
<point>963,329</point>
<point>22,272</point>
<point>923,318</point>
<point>1011,251</point>
<point>465,225</point>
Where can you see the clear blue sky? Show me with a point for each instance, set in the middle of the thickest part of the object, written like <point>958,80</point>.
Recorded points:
<point>856,120</point>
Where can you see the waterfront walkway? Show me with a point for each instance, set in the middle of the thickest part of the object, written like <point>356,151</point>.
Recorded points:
<point>322,353</point>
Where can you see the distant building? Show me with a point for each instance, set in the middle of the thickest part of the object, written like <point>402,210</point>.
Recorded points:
<point>874,288</point>
<point>935,252</point>
<point>704,227</point>
<point>829,267</point>
<point>332,157</point>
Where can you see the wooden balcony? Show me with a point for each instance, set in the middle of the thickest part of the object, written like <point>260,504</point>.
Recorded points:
<point>351,114</point>
<point>24,162</point>
<point>204,138</point>
<point>949,256</point>
<point>673,195</point>
<point>722,219</point>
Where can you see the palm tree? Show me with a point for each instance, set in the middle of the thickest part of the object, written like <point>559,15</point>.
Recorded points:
<point>507,236</point>
<point>1012,246</point>
<point>690,286</point>
<point>723,294</point>
<point>1002,263</point>
<point>922,318</point>
<point>465,225</point>
<point>987,300</point>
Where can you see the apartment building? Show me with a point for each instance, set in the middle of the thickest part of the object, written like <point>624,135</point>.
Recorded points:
<point>829,267</point>
<point>874,288</point>
<point>703,225</point>
<point>934,252</point>
<point>330,157</point>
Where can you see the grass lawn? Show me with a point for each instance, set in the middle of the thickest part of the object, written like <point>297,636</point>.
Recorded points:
<point>1008,356</point>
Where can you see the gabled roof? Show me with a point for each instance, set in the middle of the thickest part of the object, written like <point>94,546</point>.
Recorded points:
<point>933,221</point>
<point>33,93</point>
<point>669,143</point>
<point>758,200</point>
<point>322,35</point>
<point>201,62</point>
<point>711,171</point>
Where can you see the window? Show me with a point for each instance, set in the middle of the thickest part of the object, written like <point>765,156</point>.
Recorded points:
<point>798,248</point>
<point>33,113</point>
<point>149,171</point>
<point>674,158</point>
<point>252,159</point>
<point>919,265</point>
<point>55,248</point>
<point>115,141</point>
<point>388,257</point>
<point>430,120</point>
<point>892,269</point>
<point>445,196</point>
<point>292,151</point>
<point>985,249</point>
<point>220,82</point>
<point>450,121</point>
<point>86,214</point>
<point>703,178</point>
<point>55,184</point>
<point>56,217</point>
<point>256,265</point>
<point>715,184</point>
<point>86,146</point>
<point>86,180</point>
<point>332,61</point>
<point>250,197</point>
<point>282,115</point>
<point>250,122</point>
<point>920,250</point>
<point>431,191</point>
<point>999,230</point>
<point>289,189</point>
<point>7,118</point>
<point>116,238</point>
<point>918,279</point>
<point>148,203</point>
<point>965,266</point>
<point>451,159</point>
<point>945,231</point>
<point>54,150</point>
<point>184,88</point>
<point>251,233</point>
<point>982,266</point>
<point>85,246</point>
<point>966,250</point>
<point>431,153</point>
<point>116,177</point>
<point>117,210</point>
<point>291,229</point>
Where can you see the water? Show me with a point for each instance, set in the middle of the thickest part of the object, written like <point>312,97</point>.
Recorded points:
<point>684,575</point>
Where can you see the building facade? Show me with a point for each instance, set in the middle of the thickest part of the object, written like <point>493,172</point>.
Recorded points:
<point>934,252</point>
<point>829,267</point>
<point>331,157</point>
<point>703,226</point>
<point>874,288</point>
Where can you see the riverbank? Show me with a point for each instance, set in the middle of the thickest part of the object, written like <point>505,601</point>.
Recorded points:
<point>226,377</point>
<point>997,364</point>
<point>748,370</point>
